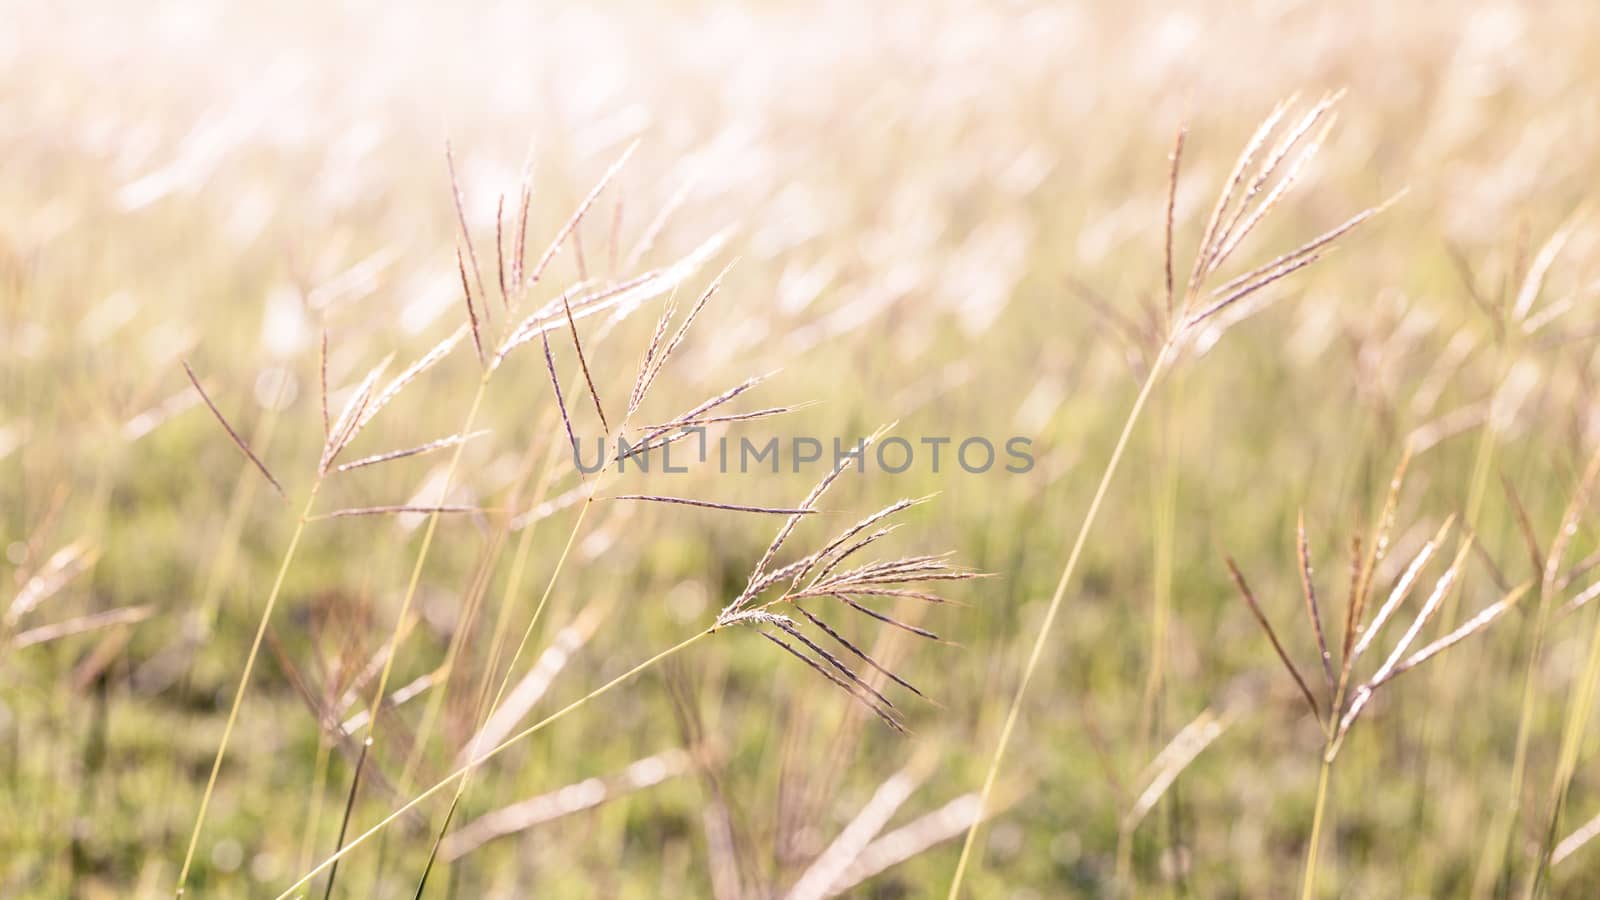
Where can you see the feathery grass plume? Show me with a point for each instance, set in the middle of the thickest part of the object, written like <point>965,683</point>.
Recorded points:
<point>858,684</point>
<point>622,299</point>
<point>1309,589</point>
<point>1442,587</point>
<point>350,419</point>
<point>885,714</point>
<point>539,324</point>
<point>1352,608</point>
<point>398,383</point>
<point>459,198</point>
<point>519,256</point>
<point>555,385</point>
<point>364,403</point>
<point>338,436</point>
<point>500,250</point>
<point>648,378</point>
<point>668,310</point>
<point>881,579</point>
<point>1513,322</point>
<point>619,299</point>
<point>712,504</point>
<point>787,529</point>
<point>747,609</point>
<point>583,362</point>
<point>1402,589</point>
<point>472,312</point>
<point>397,510</point>
<point>810,785</point>
<point>418,450</point>
<point>233,435</point>
<point>859,653</point>
<point>1200,303</point>
<point>683,419</point>
<point>578,214</point>
<point>700,421</point>
<point>1175,160</point>
<point>322,384</point>
<point>1272,636</point>
<point>1343,703</point>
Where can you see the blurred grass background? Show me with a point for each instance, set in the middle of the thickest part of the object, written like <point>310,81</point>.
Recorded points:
<point>929,202</point>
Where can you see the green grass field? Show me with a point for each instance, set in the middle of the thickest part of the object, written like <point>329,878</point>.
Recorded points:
<point>945,220</point>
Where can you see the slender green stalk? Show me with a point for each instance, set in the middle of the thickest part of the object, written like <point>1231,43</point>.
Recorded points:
<point>467,770</point>
<point>1331,741</point>
<point>223,562</point>
<point>1165,516</point>
<point>527,634</point>
<point>538,610</point>
<point>433,854</point>
<point>524,543</point>
<point>422,558</point>
<point>349,809</point>
<point>1124,865</point>
<point>244,683</point>
<point>502,618</point>
<point>397,634</point>
<point>519,563</point>
<point>1309,882</point>
<point>1156,370</point>
<point>489,754</point>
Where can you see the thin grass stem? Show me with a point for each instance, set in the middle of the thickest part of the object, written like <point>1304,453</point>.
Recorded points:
<point>244,683</point>
<point>998,756</point>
